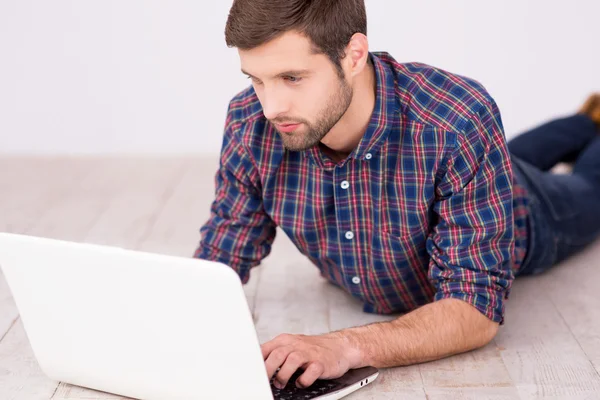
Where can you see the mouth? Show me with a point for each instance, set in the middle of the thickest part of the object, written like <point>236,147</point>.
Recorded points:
<point>287,127</point>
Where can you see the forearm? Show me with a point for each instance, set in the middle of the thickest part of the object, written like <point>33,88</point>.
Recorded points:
<point>431,332</point>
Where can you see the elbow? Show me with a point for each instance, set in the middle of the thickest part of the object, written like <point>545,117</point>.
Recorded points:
<point>493,330</point>
<point>481,336</point>
<point>488,332</point>
<point>483,328</point>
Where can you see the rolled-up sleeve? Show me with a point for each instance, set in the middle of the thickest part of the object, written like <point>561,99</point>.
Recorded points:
<point>472,241</point>
<point>238,232</point>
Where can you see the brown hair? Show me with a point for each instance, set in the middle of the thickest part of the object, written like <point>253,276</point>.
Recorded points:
<point>329,24</point>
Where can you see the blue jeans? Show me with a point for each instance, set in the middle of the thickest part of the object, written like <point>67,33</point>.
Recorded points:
<point>564,209</point>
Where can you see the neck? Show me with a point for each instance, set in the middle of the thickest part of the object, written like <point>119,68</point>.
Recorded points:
<point>349,130</point>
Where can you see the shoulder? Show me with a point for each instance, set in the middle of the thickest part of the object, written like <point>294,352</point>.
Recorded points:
<point>244,108</point>
<point>434,96</point>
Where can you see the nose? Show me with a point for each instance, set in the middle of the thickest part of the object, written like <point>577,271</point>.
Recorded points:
<point>273,104</point>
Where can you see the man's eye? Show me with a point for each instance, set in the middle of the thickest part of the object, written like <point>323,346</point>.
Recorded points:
<point>292,79</point>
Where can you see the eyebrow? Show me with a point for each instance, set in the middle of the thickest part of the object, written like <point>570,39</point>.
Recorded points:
<point>292,72</point>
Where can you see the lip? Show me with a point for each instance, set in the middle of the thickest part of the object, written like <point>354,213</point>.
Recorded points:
<point>287,127</point>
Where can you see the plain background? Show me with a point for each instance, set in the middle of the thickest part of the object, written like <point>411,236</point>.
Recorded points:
<point>133,76</point>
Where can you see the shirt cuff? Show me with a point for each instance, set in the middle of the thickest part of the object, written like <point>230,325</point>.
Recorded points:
<point>490,306</point>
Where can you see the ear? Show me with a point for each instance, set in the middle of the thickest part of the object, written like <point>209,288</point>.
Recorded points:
<point>357,54</point>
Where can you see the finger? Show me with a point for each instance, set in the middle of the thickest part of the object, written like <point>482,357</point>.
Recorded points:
<point>276,359</point>
<point>310,375</point>
<point>267,347</point>
<point>278,341</point>
<point>293,361</point>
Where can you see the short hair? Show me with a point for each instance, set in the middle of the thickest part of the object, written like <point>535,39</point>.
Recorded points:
<point>329,24</point>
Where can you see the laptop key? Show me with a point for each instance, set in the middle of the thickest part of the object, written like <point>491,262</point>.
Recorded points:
<point>291,392</point>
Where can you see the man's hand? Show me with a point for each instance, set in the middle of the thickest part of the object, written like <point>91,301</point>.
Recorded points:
<point>327,356</point>
<point>433,331</point>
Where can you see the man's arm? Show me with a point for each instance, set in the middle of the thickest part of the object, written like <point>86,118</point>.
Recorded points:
<point>238,233</point>
<point>472,244</point>
<point>433,331</point>
<point>436,330</point>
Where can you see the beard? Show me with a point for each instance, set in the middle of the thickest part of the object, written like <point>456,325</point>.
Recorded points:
<point>311,135</point>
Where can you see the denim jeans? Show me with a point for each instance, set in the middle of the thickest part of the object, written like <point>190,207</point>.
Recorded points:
<point>564,209</point>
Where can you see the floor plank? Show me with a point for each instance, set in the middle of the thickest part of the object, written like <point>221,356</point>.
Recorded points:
<point>462,393</point>
<point>32,187</point>
<point>8,308</point>
<point>136,199</point>
<point>176,229</point>
<point>372,393</point>
<point>541,354</point>
<point>20,375</point>
<point>480,368</point>
<point>70,392</point>
<point>580,306</point>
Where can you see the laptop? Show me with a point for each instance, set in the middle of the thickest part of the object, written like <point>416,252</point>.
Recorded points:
<point>144,325</point>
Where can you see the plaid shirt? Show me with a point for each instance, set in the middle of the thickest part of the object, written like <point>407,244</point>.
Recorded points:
<point>426,207</point>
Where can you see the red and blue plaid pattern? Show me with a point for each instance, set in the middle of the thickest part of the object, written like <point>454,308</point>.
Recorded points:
<point>426,207</point>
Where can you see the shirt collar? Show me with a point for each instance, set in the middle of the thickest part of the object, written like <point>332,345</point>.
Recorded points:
<point>384,118</point>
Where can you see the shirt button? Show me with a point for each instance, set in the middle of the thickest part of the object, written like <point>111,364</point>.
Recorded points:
<point>349,235</point>
<point>368,156</point>
<point>345,185</point>
<point>356,280</point>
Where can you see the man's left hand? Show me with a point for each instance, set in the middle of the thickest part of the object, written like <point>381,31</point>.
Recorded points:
<point>327,356</point>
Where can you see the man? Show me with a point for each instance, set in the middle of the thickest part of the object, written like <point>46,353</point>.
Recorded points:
<point>395,180</point>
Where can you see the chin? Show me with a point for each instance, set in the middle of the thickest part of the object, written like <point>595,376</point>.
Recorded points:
<point>296,147</point>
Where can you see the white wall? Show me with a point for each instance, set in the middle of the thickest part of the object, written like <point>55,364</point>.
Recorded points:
<point>149,76</point>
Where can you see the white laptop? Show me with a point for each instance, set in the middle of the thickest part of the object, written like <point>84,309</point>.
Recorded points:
<point>144,325</point>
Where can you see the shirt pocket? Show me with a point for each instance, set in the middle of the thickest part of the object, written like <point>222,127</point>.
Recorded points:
<point>393,254</point>
<point>400,266</point>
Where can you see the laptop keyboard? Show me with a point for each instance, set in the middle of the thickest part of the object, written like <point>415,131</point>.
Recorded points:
<point>291,392</point>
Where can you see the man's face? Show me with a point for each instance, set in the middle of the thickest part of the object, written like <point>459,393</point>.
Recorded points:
<point>301,93</point>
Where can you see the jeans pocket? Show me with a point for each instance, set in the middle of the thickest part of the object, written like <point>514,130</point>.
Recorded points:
<point>554,191</point>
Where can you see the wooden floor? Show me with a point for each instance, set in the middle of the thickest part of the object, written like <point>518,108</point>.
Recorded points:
<point>549,347</point>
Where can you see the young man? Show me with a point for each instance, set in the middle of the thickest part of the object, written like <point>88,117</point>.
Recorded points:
<point>395,180</point>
